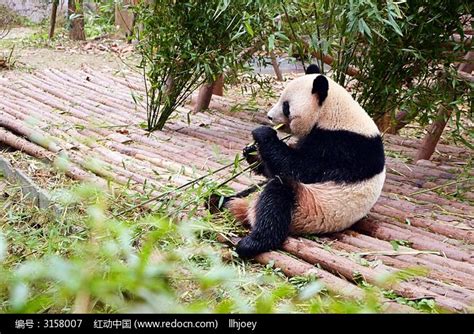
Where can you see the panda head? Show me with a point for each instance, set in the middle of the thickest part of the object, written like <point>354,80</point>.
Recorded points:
<point>315,100</point>
<point>301,102</point>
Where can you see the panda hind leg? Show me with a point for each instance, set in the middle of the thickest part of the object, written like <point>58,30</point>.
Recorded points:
<point>215,203</point>
<point>243,211</point>
<point>273,212</point>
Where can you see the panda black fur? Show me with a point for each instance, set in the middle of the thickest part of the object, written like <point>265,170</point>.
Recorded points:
<point>325,183</point>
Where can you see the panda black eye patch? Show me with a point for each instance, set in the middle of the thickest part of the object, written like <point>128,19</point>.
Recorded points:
<point>286,109</point>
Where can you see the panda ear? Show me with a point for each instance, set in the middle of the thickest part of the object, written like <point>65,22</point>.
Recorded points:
<point>312,69</point>
<point>320,88</point>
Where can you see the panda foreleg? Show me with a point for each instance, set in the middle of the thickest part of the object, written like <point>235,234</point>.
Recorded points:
<point>272,219</point>
<point>252,157</point>
<point>277,157</point>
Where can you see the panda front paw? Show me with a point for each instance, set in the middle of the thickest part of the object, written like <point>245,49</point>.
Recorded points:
<point>263,133</point>
<point>216,203</point>
<point>249,247</point>
<point>250,154</point>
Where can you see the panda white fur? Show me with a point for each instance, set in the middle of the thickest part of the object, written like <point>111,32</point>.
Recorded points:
<point>328,181</point>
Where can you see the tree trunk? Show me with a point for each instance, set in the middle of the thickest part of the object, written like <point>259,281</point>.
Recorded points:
<point>124,17</point>
<point>75,9</point>
<point>387,124</point>
<point>206,91</point>
<point>54,11</point>
<point>218,86</point>
<point>402,118</point>
<point>434,133</point>
<point>276,67</point>
<point>204,97</point>
<point>468,66</point>
<point>384,122</point>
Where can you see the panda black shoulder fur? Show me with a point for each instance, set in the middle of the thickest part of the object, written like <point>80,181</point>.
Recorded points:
<point>325,183</point>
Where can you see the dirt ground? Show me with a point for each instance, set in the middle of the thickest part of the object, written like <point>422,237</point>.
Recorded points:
<point>33,52</point>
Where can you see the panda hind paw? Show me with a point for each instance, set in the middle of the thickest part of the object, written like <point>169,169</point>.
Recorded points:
<point>249,248</point>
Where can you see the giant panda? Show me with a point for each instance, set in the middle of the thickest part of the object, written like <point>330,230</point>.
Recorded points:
<point>326,182</point>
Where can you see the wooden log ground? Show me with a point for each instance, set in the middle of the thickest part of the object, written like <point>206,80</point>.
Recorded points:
<point>88,115</point>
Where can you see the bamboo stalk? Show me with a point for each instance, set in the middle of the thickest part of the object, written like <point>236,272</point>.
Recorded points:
<point>34,150</point>
<point>166,193</point>
<point>396,187</point>
<point>441,186</point>
<point>431,225</point>
<point>404,260</point>
<point>384,231</point>
<point>293,267</point>
<point>397,253</point>
<point>306,250</point>
<point>453,267</point>
<point>460,293</point>
<point>415,144</point>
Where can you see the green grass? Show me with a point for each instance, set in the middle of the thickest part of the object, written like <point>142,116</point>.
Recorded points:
<point>85,260</point>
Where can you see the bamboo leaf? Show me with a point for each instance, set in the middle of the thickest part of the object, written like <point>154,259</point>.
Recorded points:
<point>364,28</point>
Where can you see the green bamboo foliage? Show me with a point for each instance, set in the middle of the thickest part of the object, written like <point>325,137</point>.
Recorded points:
<point>403,51</point>
<point>186,43</point>
<point>399,53</point>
